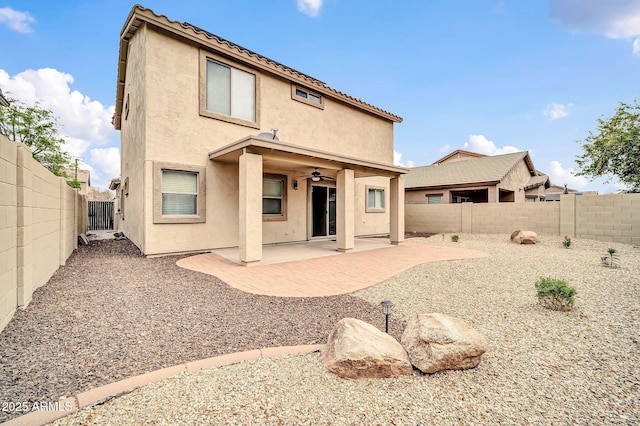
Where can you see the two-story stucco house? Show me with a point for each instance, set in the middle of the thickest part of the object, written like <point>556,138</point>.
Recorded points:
<point>202,167</point>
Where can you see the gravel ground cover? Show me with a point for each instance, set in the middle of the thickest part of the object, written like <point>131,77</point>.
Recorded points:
<point>542,367</point>
<point>111,313</point>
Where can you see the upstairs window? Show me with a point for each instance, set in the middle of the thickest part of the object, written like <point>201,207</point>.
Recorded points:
<point>304,95</point>
<point>231,91</point>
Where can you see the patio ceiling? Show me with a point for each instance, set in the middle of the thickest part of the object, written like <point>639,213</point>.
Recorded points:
<point>279,155</point>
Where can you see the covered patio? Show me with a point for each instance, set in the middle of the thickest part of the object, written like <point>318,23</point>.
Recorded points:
<point>256,156</point>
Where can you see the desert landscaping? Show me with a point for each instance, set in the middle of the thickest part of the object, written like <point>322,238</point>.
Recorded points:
<point>541,366</point>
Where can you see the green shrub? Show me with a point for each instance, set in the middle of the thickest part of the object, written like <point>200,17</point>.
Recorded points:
<point>555,294</point>
<point>610,260</point>
<point>455,238</point>
<point>566,242</point>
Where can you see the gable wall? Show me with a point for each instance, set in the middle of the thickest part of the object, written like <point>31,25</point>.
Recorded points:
<point>515,181</point>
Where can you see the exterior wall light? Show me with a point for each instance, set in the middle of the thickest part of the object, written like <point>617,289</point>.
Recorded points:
<point>386,310</point>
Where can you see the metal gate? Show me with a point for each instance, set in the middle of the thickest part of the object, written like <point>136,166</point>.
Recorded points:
<point>100,215</point>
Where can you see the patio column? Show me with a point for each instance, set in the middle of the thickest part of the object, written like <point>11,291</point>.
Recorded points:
<point>345,204</point>
<point>397,209</point>
<point>250,208</point>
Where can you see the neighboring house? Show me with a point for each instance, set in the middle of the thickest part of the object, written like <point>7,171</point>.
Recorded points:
<point>553,192</point>
<point>3,101</point>
<point>465,176</point>
<point>223,147</point>
<point>83,177</point>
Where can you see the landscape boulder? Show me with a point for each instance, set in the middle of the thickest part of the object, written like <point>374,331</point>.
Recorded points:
<point>356,349</point>
<point>524,237</point>
<point>438,342</point>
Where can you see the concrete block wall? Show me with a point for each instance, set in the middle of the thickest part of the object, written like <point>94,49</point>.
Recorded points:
<point>8,232</point>
<point>40,219</point>
<point>612,217</point>
<point>492,218</point>
<point>434,218</point>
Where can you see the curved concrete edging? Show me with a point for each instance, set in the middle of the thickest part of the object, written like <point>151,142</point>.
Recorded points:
<point>88,398</point>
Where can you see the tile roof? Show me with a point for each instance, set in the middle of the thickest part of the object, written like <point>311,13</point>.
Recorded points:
<point>461,152</point>
<point>484,169</point>
<point>537,181</point>
<point>3,101</point>
<point>140,14</point>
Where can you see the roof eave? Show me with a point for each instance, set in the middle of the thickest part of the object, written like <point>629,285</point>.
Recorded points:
<point>140,14</point>
<point>258,144</point>
<point>456,185</point>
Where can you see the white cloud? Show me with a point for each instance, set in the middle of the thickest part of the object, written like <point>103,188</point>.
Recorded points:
<point>106,163</point>
<point>310,7</point>
<point>555,111</point>
<point>397,160</point>
<point>75,147</point>
<point>617,19</point>
<point>636,46</point>
<point>16,20</point>
<point>84,123</point>
<point>481,145</point>
<point>560,176</point>
<point>445,148</point>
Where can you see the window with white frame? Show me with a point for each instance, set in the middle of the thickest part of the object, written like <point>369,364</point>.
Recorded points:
<point>375,199</point>
<point>230,91</point>
<point>274,205</point>
<point>304,95</point>
<point>179,193</point>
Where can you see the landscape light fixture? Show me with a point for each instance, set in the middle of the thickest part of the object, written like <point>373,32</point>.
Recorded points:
<point>386,309</point>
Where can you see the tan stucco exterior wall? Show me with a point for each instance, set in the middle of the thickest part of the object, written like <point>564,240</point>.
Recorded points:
<point>39,224</point>
<point>132,148</point>
<point>371,223</point>
<point>515,181</point>
<point>165,125</point>
<point>612,217</point>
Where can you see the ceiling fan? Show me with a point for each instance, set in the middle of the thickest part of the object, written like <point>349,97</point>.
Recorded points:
<point>316,176</point>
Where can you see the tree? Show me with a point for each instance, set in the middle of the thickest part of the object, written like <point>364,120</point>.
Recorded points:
<point>615,148</point>
<point>37,128</point>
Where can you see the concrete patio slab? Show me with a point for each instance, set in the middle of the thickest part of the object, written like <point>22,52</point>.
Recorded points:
<point>316,269</point>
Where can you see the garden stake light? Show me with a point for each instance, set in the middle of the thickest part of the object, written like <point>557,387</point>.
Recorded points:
<point>386,309</point>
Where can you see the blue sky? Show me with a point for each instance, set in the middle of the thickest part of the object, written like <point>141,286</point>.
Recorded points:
<point>488,76</point>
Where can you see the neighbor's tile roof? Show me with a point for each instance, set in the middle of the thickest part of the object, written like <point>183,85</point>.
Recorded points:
<point>485,169</point>
<point>537,181</point>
